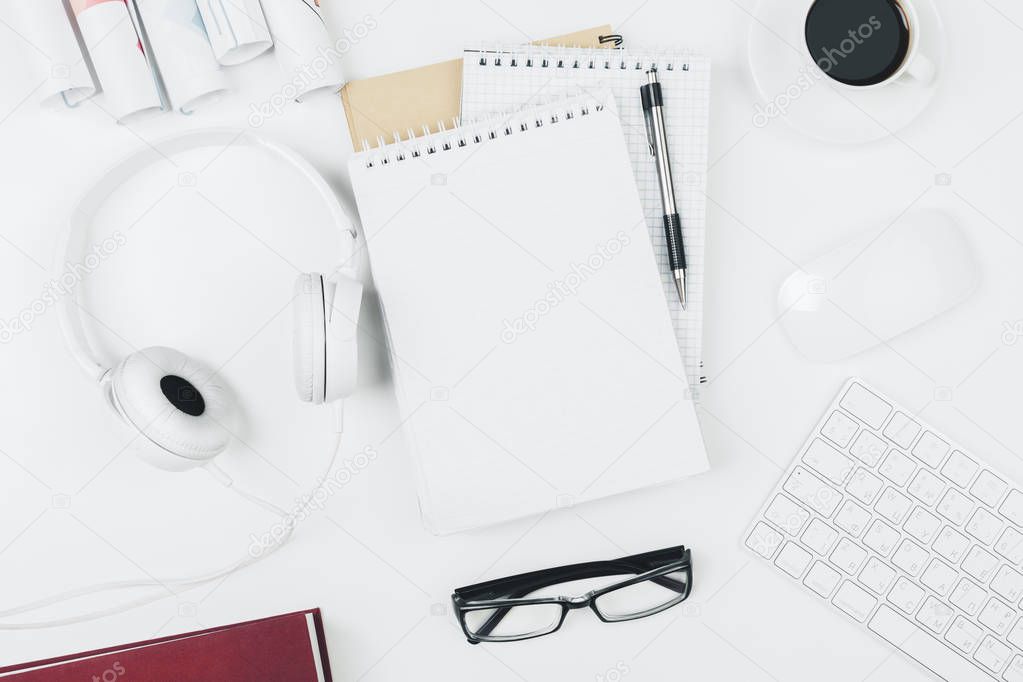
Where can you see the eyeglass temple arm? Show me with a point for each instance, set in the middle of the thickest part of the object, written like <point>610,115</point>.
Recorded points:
<point>534,580</point>
<point>520,590</point>
<point>517,587</point>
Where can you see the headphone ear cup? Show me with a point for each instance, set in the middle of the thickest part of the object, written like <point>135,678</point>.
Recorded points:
<point>343,303</point>
<point>308,338</point>
<point>183,412</point>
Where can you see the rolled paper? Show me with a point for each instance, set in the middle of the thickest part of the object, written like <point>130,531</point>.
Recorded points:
<point>56,55</point>
<point>182,50</point>
<point>115,49</point>
<point>236,28</point>
<point>304,48</point>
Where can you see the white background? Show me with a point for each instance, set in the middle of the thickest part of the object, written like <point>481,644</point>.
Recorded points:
<point>76,508</point>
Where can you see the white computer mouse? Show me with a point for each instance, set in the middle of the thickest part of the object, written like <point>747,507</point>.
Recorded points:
<point>878,286</point>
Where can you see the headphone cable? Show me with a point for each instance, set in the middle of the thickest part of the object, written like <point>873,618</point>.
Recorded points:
<point>190,582</point>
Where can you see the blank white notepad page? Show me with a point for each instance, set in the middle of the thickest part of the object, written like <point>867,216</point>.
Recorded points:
<point>534,359</point>
<point>502,79</point>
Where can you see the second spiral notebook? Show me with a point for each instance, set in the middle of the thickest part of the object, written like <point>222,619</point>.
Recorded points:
<point>534,359</point>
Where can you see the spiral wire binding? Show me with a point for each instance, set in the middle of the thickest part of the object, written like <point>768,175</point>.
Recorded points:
<point>492,128</point>
<point>530,57</point>
<point>576,58</point>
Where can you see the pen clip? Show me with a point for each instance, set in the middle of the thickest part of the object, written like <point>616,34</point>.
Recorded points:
<point>648,119</point>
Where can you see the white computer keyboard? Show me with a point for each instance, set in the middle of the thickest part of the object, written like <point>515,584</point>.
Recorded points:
<point>896,527</point>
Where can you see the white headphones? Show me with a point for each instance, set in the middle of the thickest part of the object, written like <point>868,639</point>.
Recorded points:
<point>181,409</point>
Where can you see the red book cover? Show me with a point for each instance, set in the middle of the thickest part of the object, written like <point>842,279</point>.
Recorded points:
<point>288,648</point>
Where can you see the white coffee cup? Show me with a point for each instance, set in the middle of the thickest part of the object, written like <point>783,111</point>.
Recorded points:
<point>236,28</point>
<point>916,67</point>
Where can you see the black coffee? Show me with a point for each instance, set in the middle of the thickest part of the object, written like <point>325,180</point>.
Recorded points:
<point>858,42</point>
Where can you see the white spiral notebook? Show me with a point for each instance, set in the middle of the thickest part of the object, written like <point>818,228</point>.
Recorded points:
<point>533,356</point>
<point>504,78</point>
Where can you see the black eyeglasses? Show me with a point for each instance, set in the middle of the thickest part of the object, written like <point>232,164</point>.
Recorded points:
<point>502,611</point>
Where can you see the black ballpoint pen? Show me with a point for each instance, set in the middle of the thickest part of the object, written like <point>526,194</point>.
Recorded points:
<point>653,112</point>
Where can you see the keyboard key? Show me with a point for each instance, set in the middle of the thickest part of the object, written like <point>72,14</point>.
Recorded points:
<point>988,488</point>
<point>926,487</point>
<point>935,615</point>
<point>852,518</point>
<point>955,507</point>
<point>1012,508</point>
<point>865,406</point>
<point>959,469</point>
<point>926,649</point>
<point>764,540</point>
<point>939,577</point>
<point>868,448</point>
<point>1015,671</point>
<point>1010,545</point>
<point>951,545</point>
<point>793,559</point>
<point>930,450</point>
<point>964,635</point>
<point>881,537</point>
<point>893,505</point>
<point>848,556</point>
<point>820,537</point>
<point>877,576</point>
<point>1015,635</point>
<point>968,596</point>
<point>922,525</point>
<point>993,655</point>
<point>906,595</point>
<point>787,515</point>
<point>822,579</point>
<point>980,564</point>
<point>854,600</point>
<point>1008,584</point>
<point>984,526</point>
<point>897,468</point>
<point>839,429</point>
<point>828,462</point>
<point>812,492</point>
<point>902,430</point>
<point>864,486</point>
<point>910,557</point>
<point>997,616</point>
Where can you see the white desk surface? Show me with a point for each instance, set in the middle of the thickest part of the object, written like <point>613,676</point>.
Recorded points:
<point>75,509</point>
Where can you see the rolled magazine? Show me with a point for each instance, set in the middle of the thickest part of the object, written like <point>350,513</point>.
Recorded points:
<point>56,56</point>
<point>302,45</point>
<point>189,70</point>
<point>125,74</point>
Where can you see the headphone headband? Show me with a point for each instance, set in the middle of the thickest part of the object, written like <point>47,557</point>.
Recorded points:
<point>73,241</point>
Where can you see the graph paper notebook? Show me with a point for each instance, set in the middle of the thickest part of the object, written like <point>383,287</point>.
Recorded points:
<point>533,356</point>
<point>502,79</point>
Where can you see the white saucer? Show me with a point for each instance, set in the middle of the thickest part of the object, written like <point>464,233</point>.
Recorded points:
<point>793,87</point>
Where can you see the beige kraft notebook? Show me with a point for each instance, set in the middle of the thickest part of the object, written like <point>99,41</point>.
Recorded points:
<point>379,107</point>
